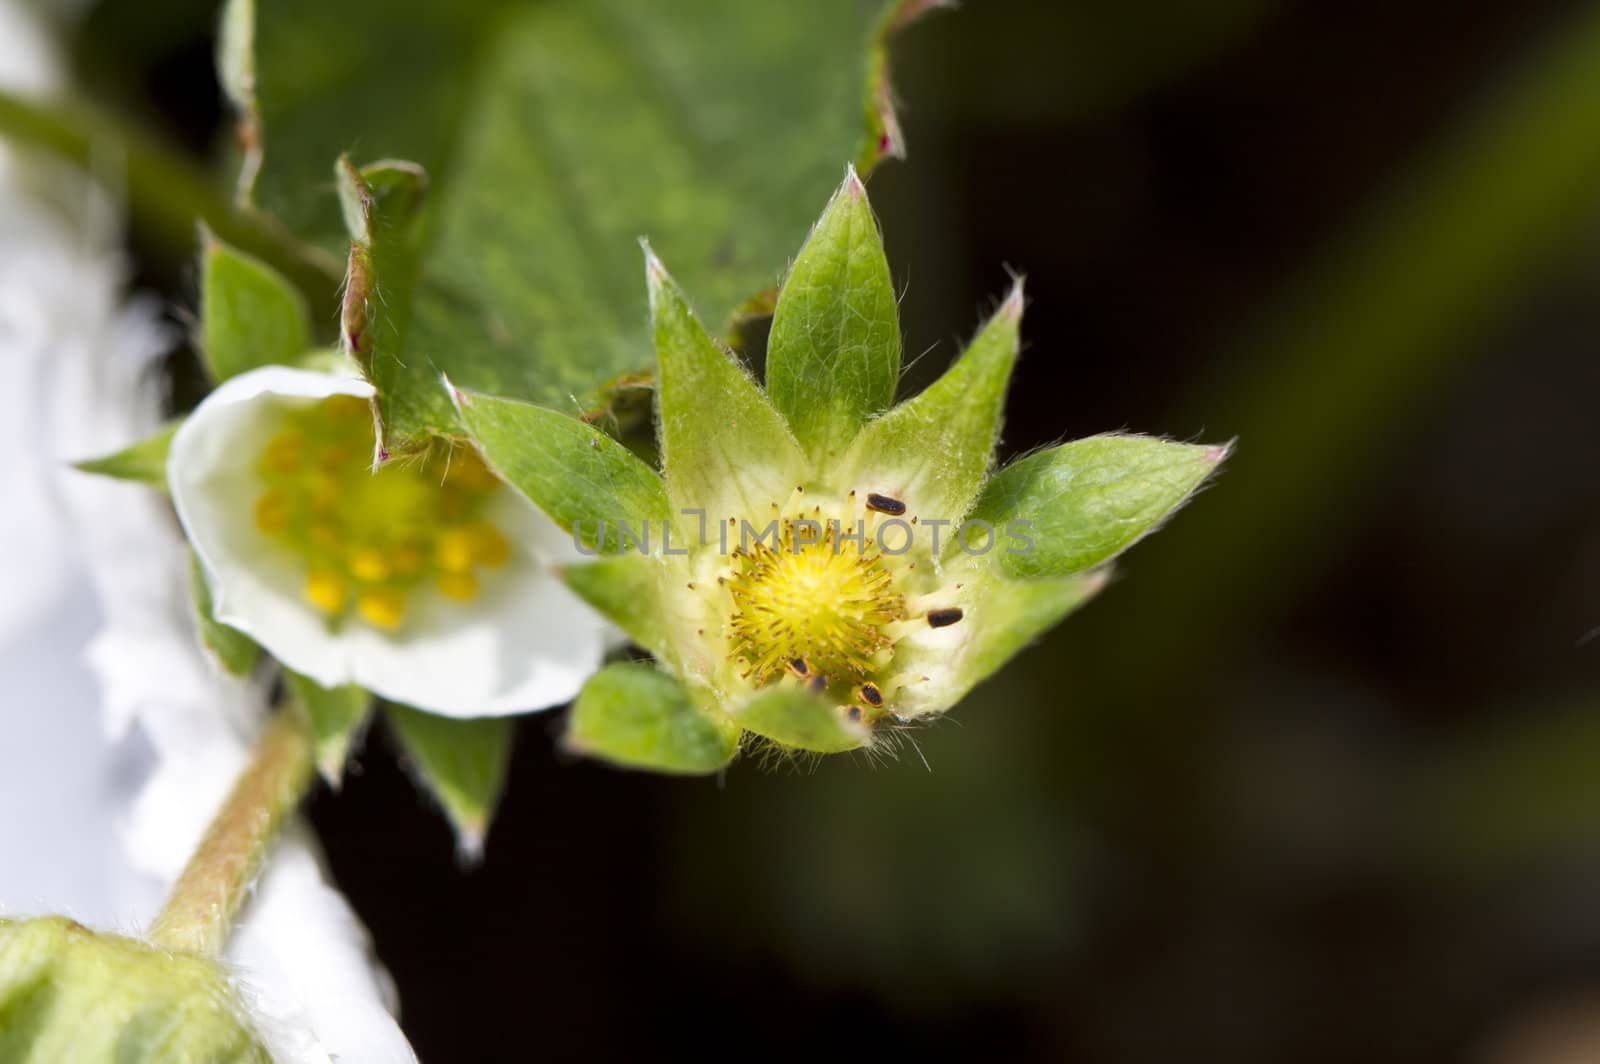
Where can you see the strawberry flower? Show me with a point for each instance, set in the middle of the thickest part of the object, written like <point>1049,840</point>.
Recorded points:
<point>814,565</point>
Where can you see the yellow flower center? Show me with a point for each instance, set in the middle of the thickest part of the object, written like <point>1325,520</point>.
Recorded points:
<point>368,539</point>
<point>815,605</point>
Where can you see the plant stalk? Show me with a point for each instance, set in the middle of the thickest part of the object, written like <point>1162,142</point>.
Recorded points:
<point>167,193</point>
<point>200,911</point>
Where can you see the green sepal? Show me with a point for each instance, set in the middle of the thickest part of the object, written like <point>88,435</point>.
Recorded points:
<point>236,76</point>
<point>1004,616</point>
<point>626,590</point>
<point>934,450</point>
<point>380,205</point>
<point>571,470</point>
<point>833,356</point>
<point>233,650</point>
<point>461,763</point>
<point>70,994</point>
<point>796,720</point>
<point>144,462</point>
<point>250,315</point>
<point>337,716</point>
<point>721,440</point>
<point>1084,502</point>
<point>635,716</point>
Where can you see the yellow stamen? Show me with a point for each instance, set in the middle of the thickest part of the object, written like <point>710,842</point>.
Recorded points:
<point>326,590</point>
<point>272,512</point>
<point>384,607</point>
<point>463,587</point>
<point>454,550</point>
<point>489,547</point>
<point>406,559</point>
<point>369,539</point>
<point>285,452</point>
<point>369,565</point>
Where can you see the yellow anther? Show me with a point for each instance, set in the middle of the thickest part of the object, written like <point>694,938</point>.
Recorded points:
<point>285,452</point>
<point>406,559</point>
<point>384,607</point>
<point>489,547</point>
<point>272,512</point>
<point>453,552</point>
<point>326,590</point>
<point>325,493</point>
<point>369,566</point>
<point>463,587</point>
<point>321,500</point>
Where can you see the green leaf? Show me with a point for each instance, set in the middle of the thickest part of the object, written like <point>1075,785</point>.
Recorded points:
<point>792,718</point>
<point>570,470</point>
<point>636,716</point>
<point>626,589</point>
<point>250,315</point>
<point>721,440</point>
<point>833,356</point>
<point>1085,502</point>
<point>337,715</point>
<point>933,451</point>
<point>144,462</point>
<point>462,763</point>
<point>234,651</point>
<point>712,126</point>
<point>390,77</point>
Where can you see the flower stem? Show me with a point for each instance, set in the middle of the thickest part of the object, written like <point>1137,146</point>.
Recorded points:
<point>166,191</point>
<point>200,910</point>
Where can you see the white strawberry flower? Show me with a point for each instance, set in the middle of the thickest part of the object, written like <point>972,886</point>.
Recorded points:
<point>425,582</point>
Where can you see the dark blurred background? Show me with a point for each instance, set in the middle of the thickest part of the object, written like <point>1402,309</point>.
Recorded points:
<point>1318,779</point>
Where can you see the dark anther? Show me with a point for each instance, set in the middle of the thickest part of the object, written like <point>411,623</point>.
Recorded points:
<point>944,618</point>
<point>885,505</point>
<point>870,695</point>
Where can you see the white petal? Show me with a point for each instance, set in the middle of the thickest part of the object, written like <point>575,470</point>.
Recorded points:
<point>305,964</point>
<point>524,643</point>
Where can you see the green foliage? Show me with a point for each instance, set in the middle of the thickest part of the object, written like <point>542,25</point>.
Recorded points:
<point>250,315</point>
<point>626,589</point>
<point>144,462</point>
<point>715,421</point>
<point>636,716</point>
<point>233,650</point>
<point>336,716</point>
<point>793,718</point>
<point>1087,501</point>
<point>771,641</point>
<point>833,357</point>
<point>570,470</point>
<point>462,763</point>
<point>708,125</point>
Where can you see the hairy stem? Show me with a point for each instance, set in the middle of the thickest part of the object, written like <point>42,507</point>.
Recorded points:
<point>200,910</point>
<point>167,193</point>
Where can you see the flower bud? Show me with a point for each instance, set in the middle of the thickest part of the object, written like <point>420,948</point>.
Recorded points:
<point>71,994</point>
